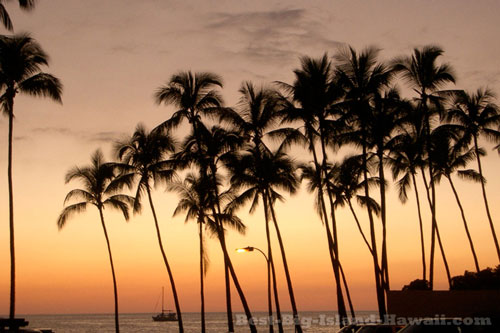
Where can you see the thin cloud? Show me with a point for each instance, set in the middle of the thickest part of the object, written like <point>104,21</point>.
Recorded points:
<point>277,36</point>
<point>103,136</point>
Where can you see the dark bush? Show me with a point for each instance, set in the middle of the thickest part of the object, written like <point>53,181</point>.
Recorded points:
<point>487,279</point>
<point>417,285</point>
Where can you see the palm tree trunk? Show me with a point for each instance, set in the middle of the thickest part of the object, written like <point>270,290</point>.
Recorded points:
<point>276,299</point>
<point>378,274</point>
<point>492,227</point>
<point>202,278</point>
<point>12,308</point>
<point>421,225</point>
<point>383,215</point>
<point>269,259</point>
<point>296,318</point>
<point>170,275</point>
<point>347,293</point>
<point>229,306</point>
<point>331,246</point>
<point>359,226</point>
<point>476,263</point>
<point>251,322</point>
<point>431,198</point>
<point>115,289</point>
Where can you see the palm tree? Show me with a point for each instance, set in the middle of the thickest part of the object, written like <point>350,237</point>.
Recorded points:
<point>100,188</point>
<point>478,116</point>
<point>426,77</point>
<point>196,95</point>
<point>313,92</point>
<point>260,172</point>
<point>257,113</point>
<point>145,153</point>
<point>363,78</point>
<point>195,201</point>
<point>21,59</point>
<point>448,156</point>
<point>405,159</point>
<point>4,15</point>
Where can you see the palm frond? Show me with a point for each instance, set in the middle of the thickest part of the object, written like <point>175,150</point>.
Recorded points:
<point>69,211</point>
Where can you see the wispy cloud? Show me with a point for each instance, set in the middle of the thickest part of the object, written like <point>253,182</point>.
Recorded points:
<point>102,136</point>
<point>277,36</point>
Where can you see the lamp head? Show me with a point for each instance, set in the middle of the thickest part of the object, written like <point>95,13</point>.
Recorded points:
<point>245,249</point>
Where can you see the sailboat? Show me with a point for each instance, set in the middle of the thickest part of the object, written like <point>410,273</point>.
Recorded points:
<point>165,315</point>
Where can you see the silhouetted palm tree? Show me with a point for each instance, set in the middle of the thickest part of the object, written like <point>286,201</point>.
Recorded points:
<point>195,199</point>
<point>196,95</point>
<point>4,15</point>
<point>448,156</point>
<point>363,78</point>
<point>478,116</point>
<point>426,77</point>
<point>21,59</point>
<point>257,113</point>
<point>405,159</point>
<point>100,188</point>
<point>313,93</point>
<point>146,153</point>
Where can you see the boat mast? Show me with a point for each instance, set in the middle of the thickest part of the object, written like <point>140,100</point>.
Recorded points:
<point>162,292</point>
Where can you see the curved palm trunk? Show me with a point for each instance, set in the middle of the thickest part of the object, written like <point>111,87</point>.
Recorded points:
<point>170,275</point>
<point>202,279</point>
<point>378,274</point>
<point>269,262</point>
<point>431,198</point>
<point>324,216</point>
<point>229,307</point>
<point>115,289</point>
<point>421,225</point>
<point>229,266</point>
<point>474,255</point>
<point>276,299</point>
<point>359,226</point>
<point>333,239</point>
<point>383,215</point>
<point>348,294</point>
<point>251,322</point>
<point>12,307</point>
<point>492,227</point>
<point>296,318</point>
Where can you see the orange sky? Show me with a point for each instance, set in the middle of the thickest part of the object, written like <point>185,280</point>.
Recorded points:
<point>112,57</point>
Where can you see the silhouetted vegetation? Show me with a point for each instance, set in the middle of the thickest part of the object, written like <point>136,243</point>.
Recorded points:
<point>486,279</point>
<point>418,285</point>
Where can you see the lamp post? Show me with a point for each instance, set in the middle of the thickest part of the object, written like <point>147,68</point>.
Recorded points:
<point>269,302</point>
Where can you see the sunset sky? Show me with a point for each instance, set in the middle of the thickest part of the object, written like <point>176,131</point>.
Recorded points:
<point>111,57</point>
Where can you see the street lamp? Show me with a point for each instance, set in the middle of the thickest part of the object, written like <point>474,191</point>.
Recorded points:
<point>270,306</point>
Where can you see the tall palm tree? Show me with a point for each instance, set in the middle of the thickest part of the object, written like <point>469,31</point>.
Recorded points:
<point>146,154</point>
<point>259,172</point>
<point>195,201</point>
<point>257,114</point>
<point>363,78</point>
<point>21,60</point>
<point>312,94</point>
<point>478,116</point>
<point>448,156</point>
<point>426,77</point>
<point>101,188</point>
<point>4,15</point>
<point>196,95</point>
<point>405,160</point>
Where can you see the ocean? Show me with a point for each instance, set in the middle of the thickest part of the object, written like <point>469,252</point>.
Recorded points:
<point>316,322</point>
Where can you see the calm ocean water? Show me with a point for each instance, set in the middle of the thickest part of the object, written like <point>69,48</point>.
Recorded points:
<point>316,322</point>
